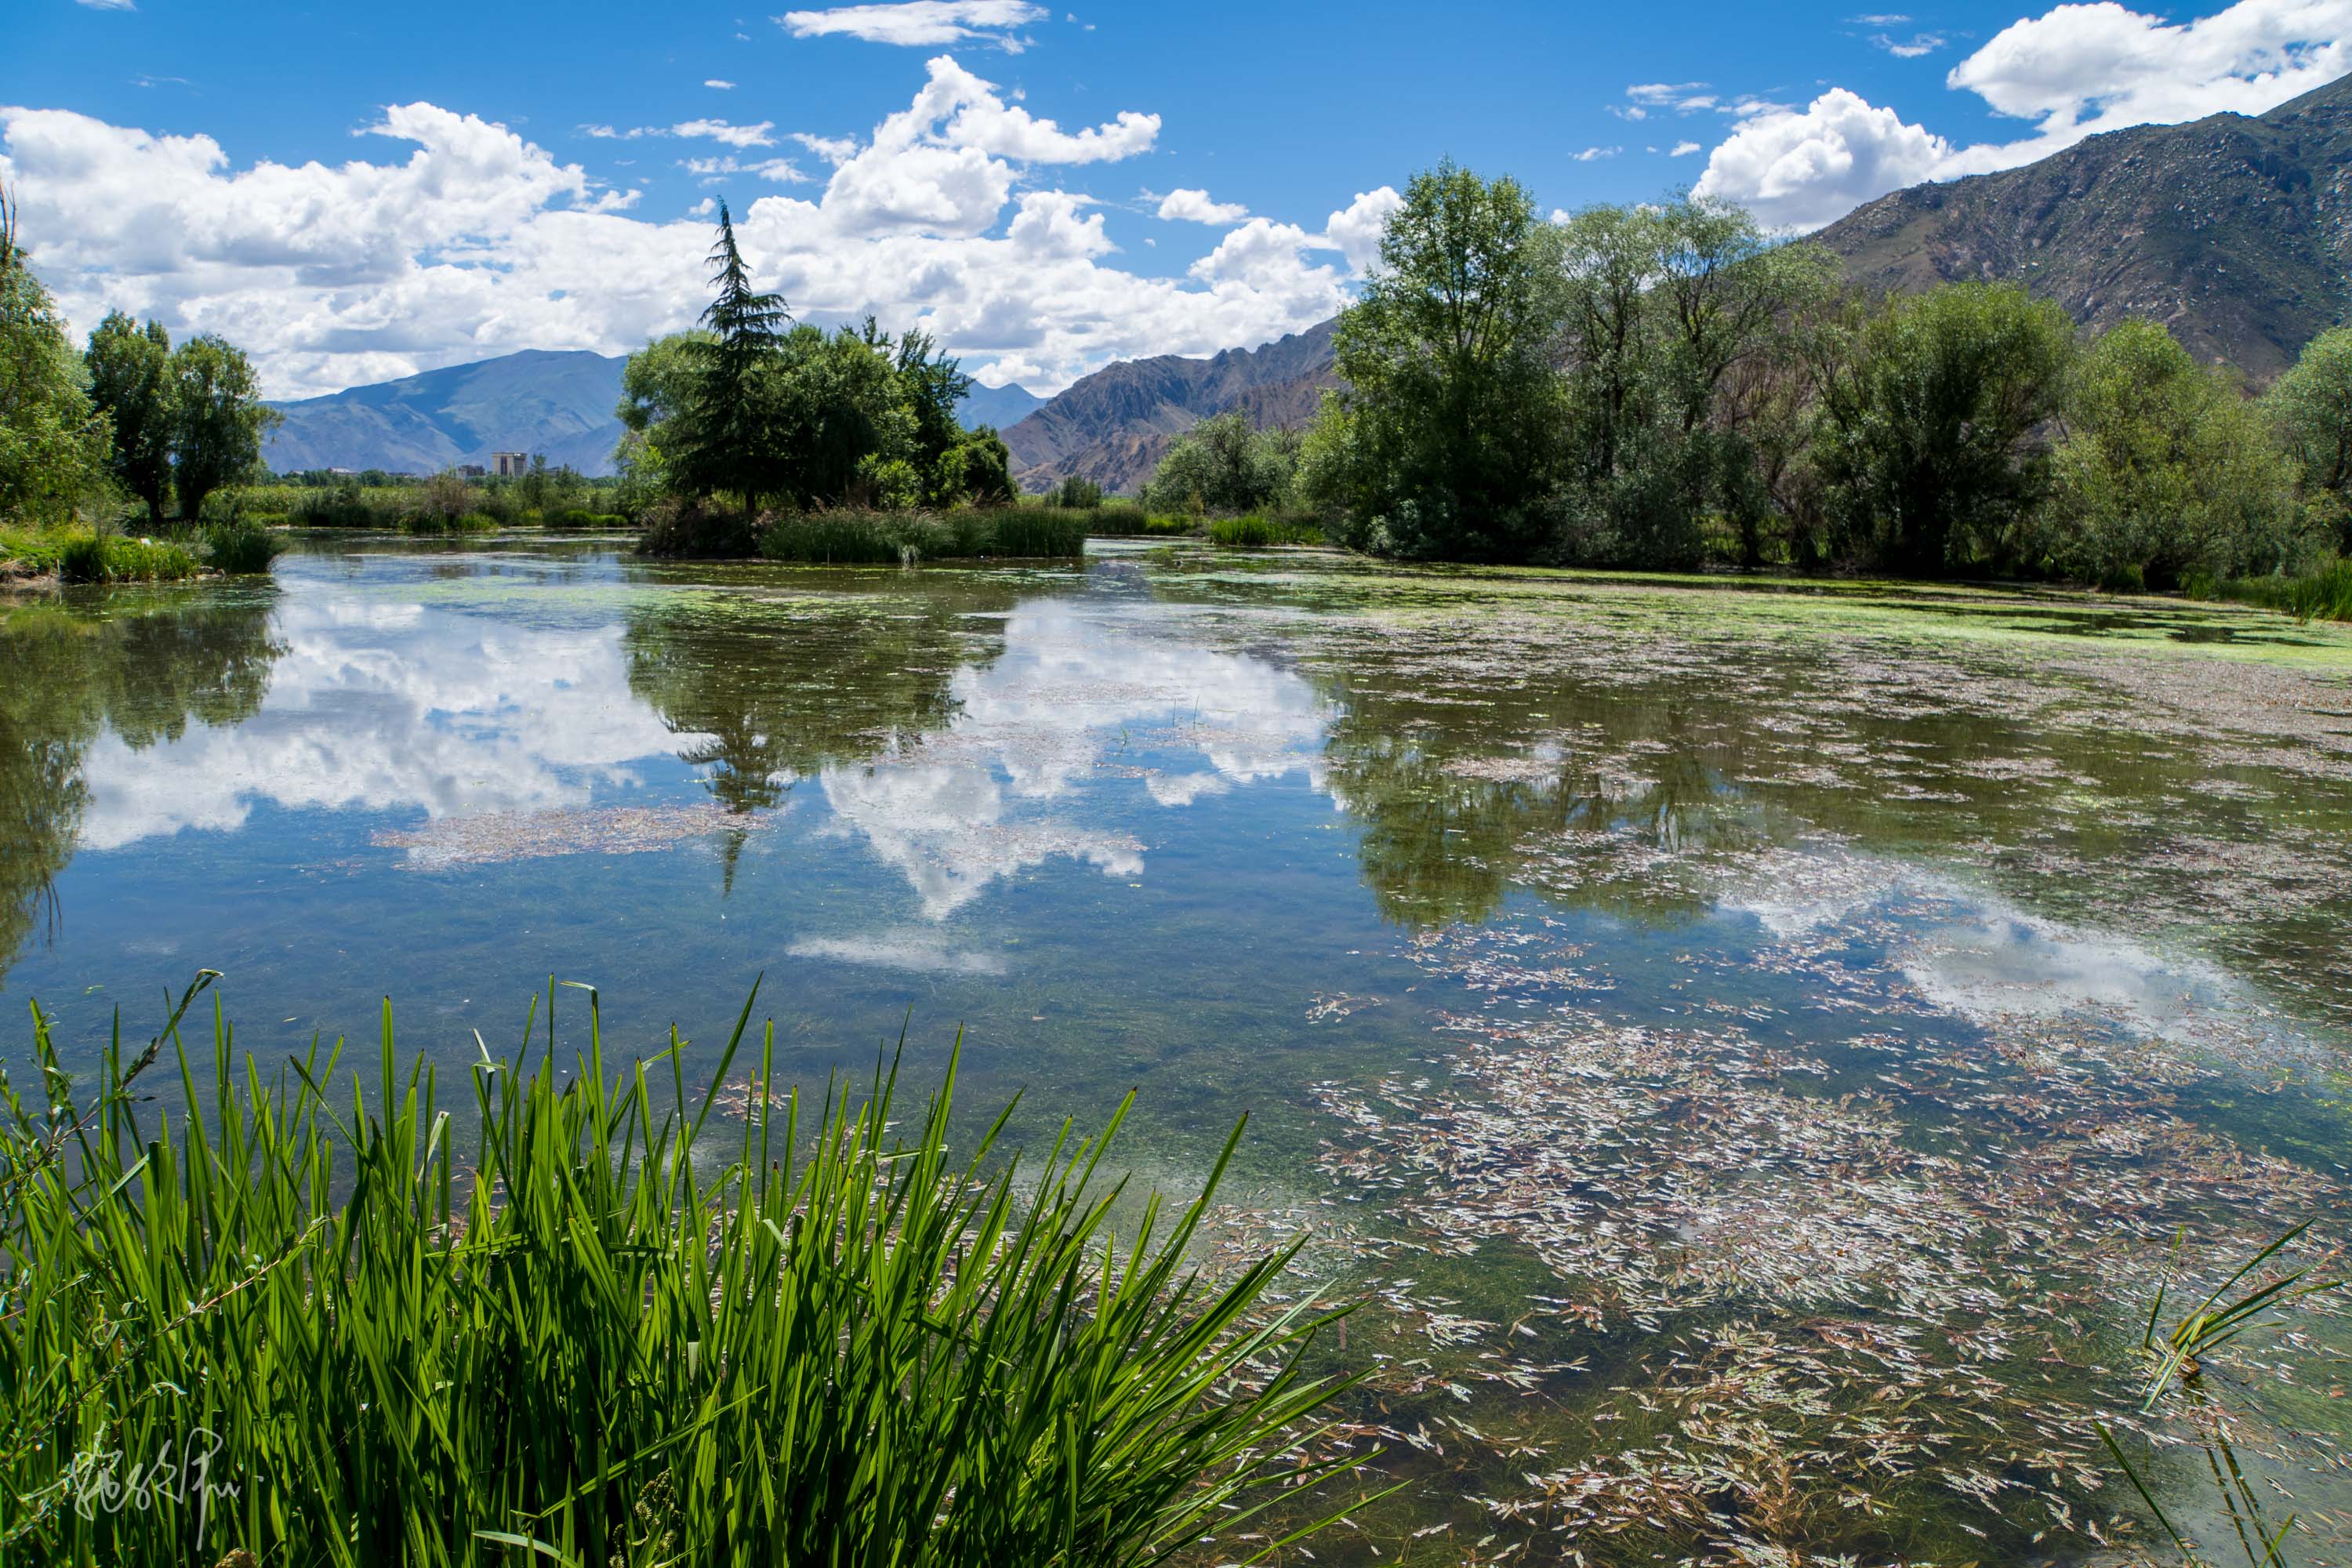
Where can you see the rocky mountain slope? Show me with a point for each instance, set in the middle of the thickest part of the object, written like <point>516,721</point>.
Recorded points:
<point>2235,232</point>
<point>1111,426</point>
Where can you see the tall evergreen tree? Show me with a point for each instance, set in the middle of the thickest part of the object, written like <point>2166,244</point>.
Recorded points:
<point>725,449</point>
<point>131,382</point>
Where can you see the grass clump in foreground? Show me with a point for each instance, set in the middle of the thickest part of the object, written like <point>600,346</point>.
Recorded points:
<point>579,1343</point>
<point>113,558</point>
<point>241,548</point>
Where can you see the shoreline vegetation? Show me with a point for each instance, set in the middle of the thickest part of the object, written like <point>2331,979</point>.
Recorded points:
<point>581,1334</point>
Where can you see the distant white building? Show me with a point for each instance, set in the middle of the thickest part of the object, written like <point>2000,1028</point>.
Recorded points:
<point>509,465</point>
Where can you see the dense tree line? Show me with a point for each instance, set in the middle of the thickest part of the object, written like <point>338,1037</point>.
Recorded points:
<point>758,410</point>
<point>131,416</point>
<point>1664,384</point>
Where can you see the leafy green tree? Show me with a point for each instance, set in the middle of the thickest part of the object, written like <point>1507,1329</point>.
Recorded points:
<point>219,420</point>
<point>1446,440</point>
<point>53,442</point>
<point>656,408</point>
<point>2165,468</point>
<point>1223,464</point>
<point>1934,408</point>
<point>931,384</point>
<point>131,382</point>
<point>841,425</point>
<point>2310,408</point>
<point>978,470</point>
<point>1667,304</point>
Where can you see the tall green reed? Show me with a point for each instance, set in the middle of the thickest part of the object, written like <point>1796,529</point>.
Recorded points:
<point>2325,595</point>
<point>2176,1359</point>
<point>331,1338</point>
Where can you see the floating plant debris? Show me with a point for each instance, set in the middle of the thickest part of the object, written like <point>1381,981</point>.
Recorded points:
<point>492,837</point>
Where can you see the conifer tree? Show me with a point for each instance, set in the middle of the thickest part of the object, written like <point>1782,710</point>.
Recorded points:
<point>726,450</point>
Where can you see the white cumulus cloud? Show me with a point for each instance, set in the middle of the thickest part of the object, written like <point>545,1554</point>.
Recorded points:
<point>1186,205</point>
<point>1355,230</point>
<point>1803,168</point>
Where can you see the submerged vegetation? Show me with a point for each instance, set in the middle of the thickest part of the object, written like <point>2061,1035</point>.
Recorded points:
<point>582,1331</point>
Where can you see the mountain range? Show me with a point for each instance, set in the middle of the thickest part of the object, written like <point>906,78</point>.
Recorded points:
<point>559,404</point>
<point>2235,231</point>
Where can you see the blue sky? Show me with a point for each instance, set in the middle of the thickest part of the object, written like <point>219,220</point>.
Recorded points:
<point>357,191</point>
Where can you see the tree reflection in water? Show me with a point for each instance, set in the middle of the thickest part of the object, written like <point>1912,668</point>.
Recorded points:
<point>144,665</point>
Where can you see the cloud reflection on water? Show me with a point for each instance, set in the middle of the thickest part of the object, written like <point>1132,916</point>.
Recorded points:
<point>395,707</point>
<point>388,707</point>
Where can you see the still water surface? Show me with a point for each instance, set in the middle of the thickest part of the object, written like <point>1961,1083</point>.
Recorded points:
<point>1751,1051</point>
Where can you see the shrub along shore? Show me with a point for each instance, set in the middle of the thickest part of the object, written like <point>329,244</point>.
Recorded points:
<point>579,1334</point>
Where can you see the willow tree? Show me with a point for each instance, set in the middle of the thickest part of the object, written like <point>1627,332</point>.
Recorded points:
<point>1936,410</point>
<point>130,381</point>
<point>2310,408</point>
<point>218,420</point>
<point>1669,306</point>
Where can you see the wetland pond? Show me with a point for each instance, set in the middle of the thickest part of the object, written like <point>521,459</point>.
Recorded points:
<point>1752,1053</point>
